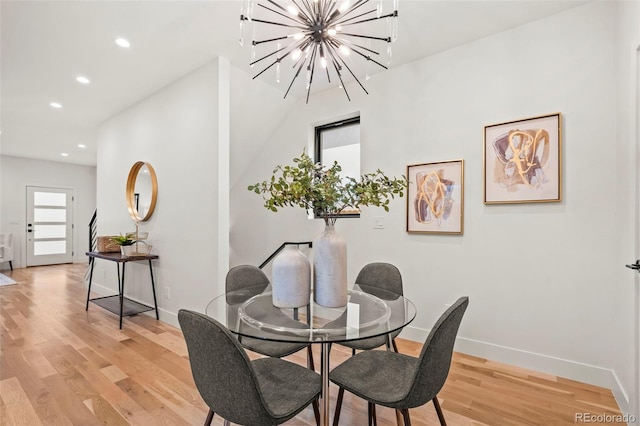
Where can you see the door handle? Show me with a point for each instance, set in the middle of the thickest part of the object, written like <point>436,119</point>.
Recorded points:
<point>29,230</point>
<point>635,266</point>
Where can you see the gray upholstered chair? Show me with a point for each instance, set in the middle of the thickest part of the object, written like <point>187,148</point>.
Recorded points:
<point>249,276</point>
<point>400,381</point>
<point>387,277</point>
<point>266,391</point>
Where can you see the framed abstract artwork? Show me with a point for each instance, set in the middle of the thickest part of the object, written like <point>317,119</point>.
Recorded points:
<point>435,197</point>
<point>523,161</point>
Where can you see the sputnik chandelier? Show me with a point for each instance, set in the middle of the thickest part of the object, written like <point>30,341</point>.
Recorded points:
<point>319,36</point>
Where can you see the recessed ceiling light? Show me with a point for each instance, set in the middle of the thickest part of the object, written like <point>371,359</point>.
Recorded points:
<point>123,42</point>
<point>82,79</point>
<point>81,145</point>
<point>56,105</point>
<point>64,154</point>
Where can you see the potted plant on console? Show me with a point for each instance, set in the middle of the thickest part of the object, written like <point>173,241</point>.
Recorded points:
<point>125,242</point>
<point>321,189</point>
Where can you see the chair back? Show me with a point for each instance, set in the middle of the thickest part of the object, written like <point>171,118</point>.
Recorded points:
<point>6,247</point>
<point>222,371</point>
<point>243,276</point>
<point>436,354</point>
<point>381,275</point>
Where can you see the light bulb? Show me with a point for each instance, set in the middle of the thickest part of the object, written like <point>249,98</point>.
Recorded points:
<point>292,10</point>
<point>296,54</point>
<point>298,36</point>
<point>331,31</point>
<point>345,50</point>
<point>323,62</point>
<point>344,6</point>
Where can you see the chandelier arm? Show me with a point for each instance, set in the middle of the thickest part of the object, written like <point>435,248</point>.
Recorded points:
<point>277,23</point>
<point>310,10</point>
<point>368,58</point>
<point>312,64</point>
<point>387,39</point>
<point>347,12</point>
<point>338,41</point>
<point>335,65</point>
<point>306,17</point>
<point>269,66</point>
<point>282,14</point>
<point>330,9</point>
<point>302,46</point>
<point>388,15</point>
<point>330,52</point>
<point>354,17</point>
<point>266,56</point>
<point>351,72</point>
<point>294,79</point>
<point>257,42</point>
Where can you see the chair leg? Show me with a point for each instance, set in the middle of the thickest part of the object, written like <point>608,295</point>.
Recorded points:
<point>405,415</point>
<point>336,416</point>
<point>209,418</point>
<point>353,351</point>
<point>395,347</point>
<point>371,409</point>
<point>316,411</point>
<point>310,364</point>
<point>227,422</point>
<point>439,411</point>
<point>11,265</point>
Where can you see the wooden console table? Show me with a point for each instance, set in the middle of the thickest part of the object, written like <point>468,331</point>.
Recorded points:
<point>118,303</point>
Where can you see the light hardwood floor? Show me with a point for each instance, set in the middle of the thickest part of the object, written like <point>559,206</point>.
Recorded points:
<point>61,365</point>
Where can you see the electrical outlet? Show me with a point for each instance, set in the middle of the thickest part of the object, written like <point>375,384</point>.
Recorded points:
<point>378,222</point>
<point>166,292</point>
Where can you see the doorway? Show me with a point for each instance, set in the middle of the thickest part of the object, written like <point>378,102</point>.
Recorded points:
<point>49,225</point>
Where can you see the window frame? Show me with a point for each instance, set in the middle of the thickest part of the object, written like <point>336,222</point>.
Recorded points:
<point>317,151</point>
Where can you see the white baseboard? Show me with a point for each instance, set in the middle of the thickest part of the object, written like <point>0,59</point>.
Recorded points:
<point>581,372</point>
<point>594,375</point>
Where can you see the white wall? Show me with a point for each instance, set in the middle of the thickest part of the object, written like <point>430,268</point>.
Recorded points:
<point>627,365</point>
<point>541,277</point>
<point>17,173</point>
<point>198,133</point>
<point>178,131</point>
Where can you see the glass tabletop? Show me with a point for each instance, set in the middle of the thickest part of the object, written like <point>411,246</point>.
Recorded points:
<point>369,312</point>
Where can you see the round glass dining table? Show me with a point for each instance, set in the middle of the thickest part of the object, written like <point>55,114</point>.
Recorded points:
<point>369,312</point>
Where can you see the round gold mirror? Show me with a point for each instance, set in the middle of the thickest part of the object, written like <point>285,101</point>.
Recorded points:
<point>142,191</point>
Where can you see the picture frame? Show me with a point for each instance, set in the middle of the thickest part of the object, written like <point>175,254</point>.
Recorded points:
<point>435,197</point>
<point>523,161</point>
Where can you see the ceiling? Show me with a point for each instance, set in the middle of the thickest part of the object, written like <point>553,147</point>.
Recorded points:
<point>45,45</point>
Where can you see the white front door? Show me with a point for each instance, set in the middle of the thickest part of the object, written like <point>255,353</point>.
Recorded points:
<point>49,225</point>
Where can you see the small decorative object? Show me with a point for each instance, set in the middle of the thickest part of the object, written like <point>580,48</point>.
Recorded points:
<point>124,241</point>
<point>105,244</point>
<point>330,268</point>
<point>321,189</point>
<point>435,198</point>
<point>522,161</point>
<point>291,278</point>
<point>139,248</point>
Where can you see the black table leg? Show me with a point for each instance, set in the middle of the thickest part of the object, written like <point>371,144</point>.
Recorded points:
<point>153,287</point>
<point>121,285</point>
<point>92,262</point>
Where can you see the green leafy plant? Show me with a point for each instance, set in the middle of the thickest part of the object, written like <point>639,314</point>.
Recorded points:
<point>312,186</point>
<point>124,240</point>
